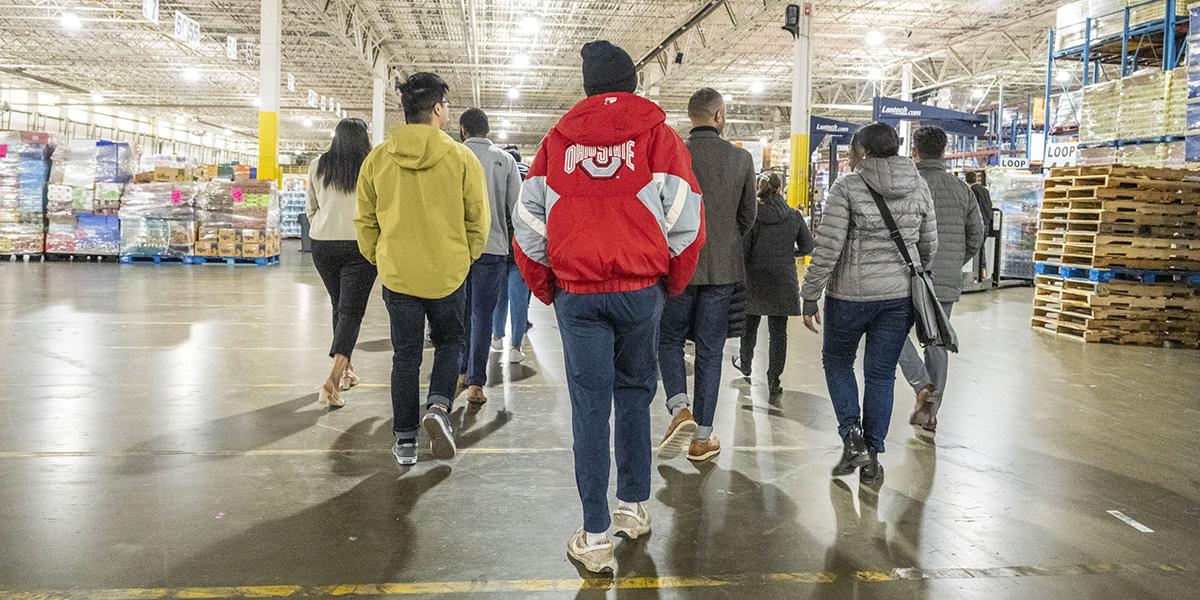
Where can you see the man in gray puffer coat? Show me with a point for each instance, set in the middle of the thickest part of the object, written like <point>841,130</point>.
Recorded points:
<point>867,288</point>
<point>960,235</point>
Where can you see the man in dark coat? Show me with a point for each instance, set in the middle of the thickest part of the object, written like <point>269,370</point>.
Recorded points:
<point>726,176</point>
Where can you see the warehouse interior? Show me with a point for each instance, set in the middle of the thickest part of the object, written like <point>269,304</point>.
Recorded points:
<point>166,331</point>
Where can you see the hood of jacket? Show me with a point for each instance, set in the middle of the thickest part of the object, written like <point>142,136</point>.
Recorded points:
<point>772,210</point>
<point>607,119</point>
<point>418,147</point>
<point>894,177</point>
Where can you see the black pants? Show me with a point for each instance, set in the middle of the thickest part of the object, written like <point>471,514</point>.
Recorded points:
<point>408,315</point>
<point>348,278</point>
<point>777,329</point>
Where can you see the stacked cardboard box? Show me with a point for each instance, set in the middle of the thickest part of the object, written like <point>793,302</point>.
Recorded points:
<point>24,166</point>
<point>158,219</point>
<point>1118,254</point>
<point>87,179</point>
<point>1100,115</point>
<point>238,219</point>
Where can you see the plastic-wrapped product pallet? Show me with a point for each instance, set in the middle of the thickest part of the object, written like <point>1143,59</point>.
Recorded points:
<point>1143,155</point>
<point>87,179</point>
<point>158,219</point>
<point>1019,197</point>
<point>1143,111</point>
<point>293,198</point>
<point>1105,155</point>
<point>1101,112</point>
<point>238,219</point>
<point>24,168</point>
<point>1069,29</point>
<point>1177,101</point>
<point>1066,111</point>
<point>1108,17</point>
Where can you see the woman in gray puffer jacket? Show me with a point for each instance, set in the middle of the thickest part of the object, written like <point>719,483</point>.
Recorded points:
<point>866,285</point>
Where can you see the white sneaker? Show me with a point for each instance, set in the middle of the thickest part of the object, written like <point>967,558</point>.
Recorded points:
<point>515,355</point>
<point>497,344</point>
<point>632,523</point>
<point>598,558</point>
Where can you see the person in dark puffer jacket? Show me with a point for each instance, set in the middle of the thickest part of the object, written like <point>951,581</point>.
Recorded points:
<point>778,237</point>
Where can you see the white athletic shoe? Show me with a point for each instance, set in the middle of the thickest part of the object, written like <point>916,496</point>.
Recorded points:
<point>599,558</point>
<point>516,355</point>
<point>497,344</point>
<point>632,523</point>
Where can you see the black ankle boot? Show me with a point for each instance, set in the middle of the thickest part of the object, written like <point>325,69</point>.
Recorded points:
<point>872,471</point>
<point>854,453</point>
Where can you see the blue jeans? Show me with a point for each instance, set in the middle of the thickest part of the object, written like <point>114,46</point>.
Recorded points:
<point>512,301</point>
<point>886,324</point>
<point>408,315</point>
<point>703,312</point>
<point>483,283</point>
<point>608,349</point>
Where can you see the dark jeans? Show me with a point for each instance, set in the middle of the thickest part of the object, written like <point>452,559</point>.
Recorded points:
<point>702,310</point>
<point>482,285</point>
<point>777,330</point>
<point>886,324</point>
<point>408,315</point>
<point>348,279</point>
<point>608,348</point>
<point>512,303</point>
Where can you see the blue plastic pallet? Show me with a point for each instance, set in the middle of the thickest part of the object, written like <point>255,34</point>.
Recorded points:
<point>157,259</point>
<point>231,260</point>
<point>1106,275</point>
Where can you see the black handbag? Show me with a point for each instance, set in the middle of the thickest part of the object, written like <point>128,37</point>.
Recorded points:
<point>933,327</point>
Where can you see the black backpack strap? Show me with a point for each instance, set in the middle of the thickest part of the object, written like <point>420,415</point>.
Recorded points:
<point>891,225</point>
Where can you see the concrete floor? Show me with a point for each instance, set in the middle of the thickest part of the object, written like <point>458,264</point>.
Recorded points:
<point>159,432</point>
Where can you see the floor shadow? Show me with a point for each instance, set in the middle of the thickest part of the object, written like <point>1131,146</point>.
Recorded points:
<point>516,372</point>
<point>468,432</point>
<point>383,345</point>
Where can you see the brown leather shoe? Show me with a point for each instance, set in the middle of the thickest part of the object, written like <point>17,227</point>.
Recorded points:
<point>922,411</point>
<point>702,450</point>
<point>461,385</point>
<point>679,434</point>
<point>475,395</point>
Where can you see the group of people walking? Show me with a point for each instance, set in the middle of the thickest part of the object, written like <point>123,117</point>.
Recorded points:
<point>640,240</point>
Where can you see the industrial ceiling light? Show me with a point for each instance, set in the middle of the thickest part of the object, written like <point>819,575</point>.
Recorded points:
<point>503,135</point>
<point>758,87</point>
<point>307,122</point>
<point>181,120</point>
<point>875,74</point>
<point>529,26</point>
<point>506,123</point>
<point>513,93</point>
<point>227,132</point>
<point>191,75</point>
<point>333,133</point>
<point>874,38</point>
<point>977,93</point>
<point>97,99</point>
<point>70,21</point>
<point>521,61</point>
<point>1063,76</point>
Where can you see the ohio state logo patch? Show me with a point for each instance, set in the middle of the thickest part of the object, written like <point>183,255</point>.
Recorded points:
<point>599,162</point>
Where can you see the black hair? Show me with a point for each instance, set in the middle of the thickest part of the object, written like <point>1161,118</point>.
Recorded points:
<point>705,103</point>
<point>929,142</point>
<point>769,185</point>
<point>419,94</point>
<point>513,151</point>
<point>877,140</point>
<point>338,167</point>
<point>474,122</point>
<point>977,176</point>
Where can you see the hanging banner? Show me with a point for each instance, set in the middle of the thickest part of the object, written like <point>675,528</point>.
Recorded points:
<point>291,82</point>
<point>312,99</point>
<point>322,102</point>
<point>150,10</point>
<point>187,29</point>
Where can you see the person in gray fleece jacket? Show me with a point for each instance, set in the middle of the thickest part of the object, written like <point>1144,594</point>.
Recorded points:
<point>960,235</point>
<point>866,285</point>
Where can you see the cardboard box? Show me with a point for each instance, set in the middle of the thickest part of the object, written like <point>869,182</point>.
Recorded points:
<point>228,249</point>
<point>254,250</point>
<point>253,236</point>
<point>207,248</point>
<point>227,236</point>
<point>173,174</point>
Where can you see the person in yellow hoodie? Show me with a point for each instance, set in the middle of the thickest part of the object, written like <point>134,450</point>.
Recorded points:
<point>422,219</point>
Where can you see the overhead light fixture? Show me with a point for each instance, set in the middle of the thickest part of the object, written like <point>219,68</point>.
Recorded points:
<point>874,38</point>
<point>1064,76</point>
<point>228,132</point>
<point>97,99</point>
<point>333,133</point>
<point>727,97</point>
<point>521,61</point>
<point>503,135</point>
<point>70,21</point>
<point>506,123</point>
<point>764,141</point>
<point>875,74</point>
<point>757,87</point>
<point>529,25</point>
<point>191,75</point>
<point>513,93</point>
<point>977,93</point>
<point>307,122</point>
<point>181,120</point>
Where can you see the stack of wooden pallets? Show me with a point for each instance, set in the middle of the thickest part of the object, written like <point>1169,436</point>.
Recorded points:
<point>1118,256</point>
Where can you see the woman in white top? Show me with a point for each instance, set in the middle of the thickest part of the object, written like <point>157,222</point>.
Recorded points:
<point>348,277</point>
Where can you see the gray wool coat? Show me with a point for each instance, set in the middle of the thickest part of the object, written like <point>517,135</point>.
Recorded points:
<point>959,227</point>
<point>855,258</point>
<point>727,181</point>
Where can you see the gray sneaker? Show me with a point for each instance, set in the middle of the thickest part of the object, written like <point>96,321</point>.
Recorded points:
<point>405,452</point>
<point>441,435</point>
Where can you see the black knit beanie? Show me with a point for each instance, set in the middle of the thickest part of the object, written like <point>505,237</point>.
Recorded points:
<point>607,68</point>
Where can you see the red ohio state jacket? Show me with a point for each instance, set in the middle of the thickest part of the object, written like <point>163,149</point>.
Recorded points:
<point>610,204</point>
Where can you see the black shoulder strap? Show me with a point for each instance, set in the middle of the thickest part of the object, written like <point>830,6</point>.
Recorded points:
<point>891,225</point>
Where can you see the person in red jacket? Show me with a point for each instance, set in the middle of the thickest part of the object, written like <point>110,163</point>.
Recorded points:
<point>609,222</point>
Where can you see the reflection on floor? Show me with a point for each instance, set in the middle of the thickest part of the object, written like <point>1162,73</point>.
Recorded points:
<point>159,431</point>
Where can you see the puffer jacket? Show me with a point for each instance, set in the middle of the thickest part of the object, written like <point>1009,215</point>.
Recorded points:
<point>779,235</point>
<point>855,258</point>
<point>959,227</point>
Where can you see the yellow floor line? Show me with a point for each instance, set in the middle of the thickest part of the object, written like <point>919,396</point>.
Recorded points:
<point>881,577</point>
<point>338,451</point>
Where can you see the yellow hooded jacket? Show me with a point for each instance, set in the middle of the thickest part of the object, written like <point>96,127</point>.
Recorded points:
<point>423,214</point>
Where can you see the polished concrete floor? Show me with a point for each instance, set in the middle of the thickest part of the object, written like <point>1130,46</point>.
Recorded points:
<point>160,437</point>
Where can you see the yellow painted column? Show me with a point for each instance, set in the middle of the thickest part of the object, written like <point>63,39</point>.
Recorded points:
<point>798,184</point>
<point>268,89</point>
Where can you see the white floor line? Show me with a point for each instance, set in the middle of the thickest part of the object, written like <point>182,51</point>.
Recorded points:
<point>1130,521</point>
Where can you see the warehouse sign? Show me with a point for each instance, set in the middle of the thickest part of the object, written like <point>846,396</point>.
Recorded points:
<point>231,47</point>
<point>1014,162</point>
<point>1061,154</point>
<point>312,98</point>
<point>150,10</point>
<point>291,82</point>
<point>187,29</point>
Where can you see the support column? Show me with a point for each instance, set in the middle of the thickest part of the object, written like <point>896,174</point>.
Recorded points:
<point>268,89</point>
<point>798,195</point>
<point>379,87</point>
<point>906,86</point>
